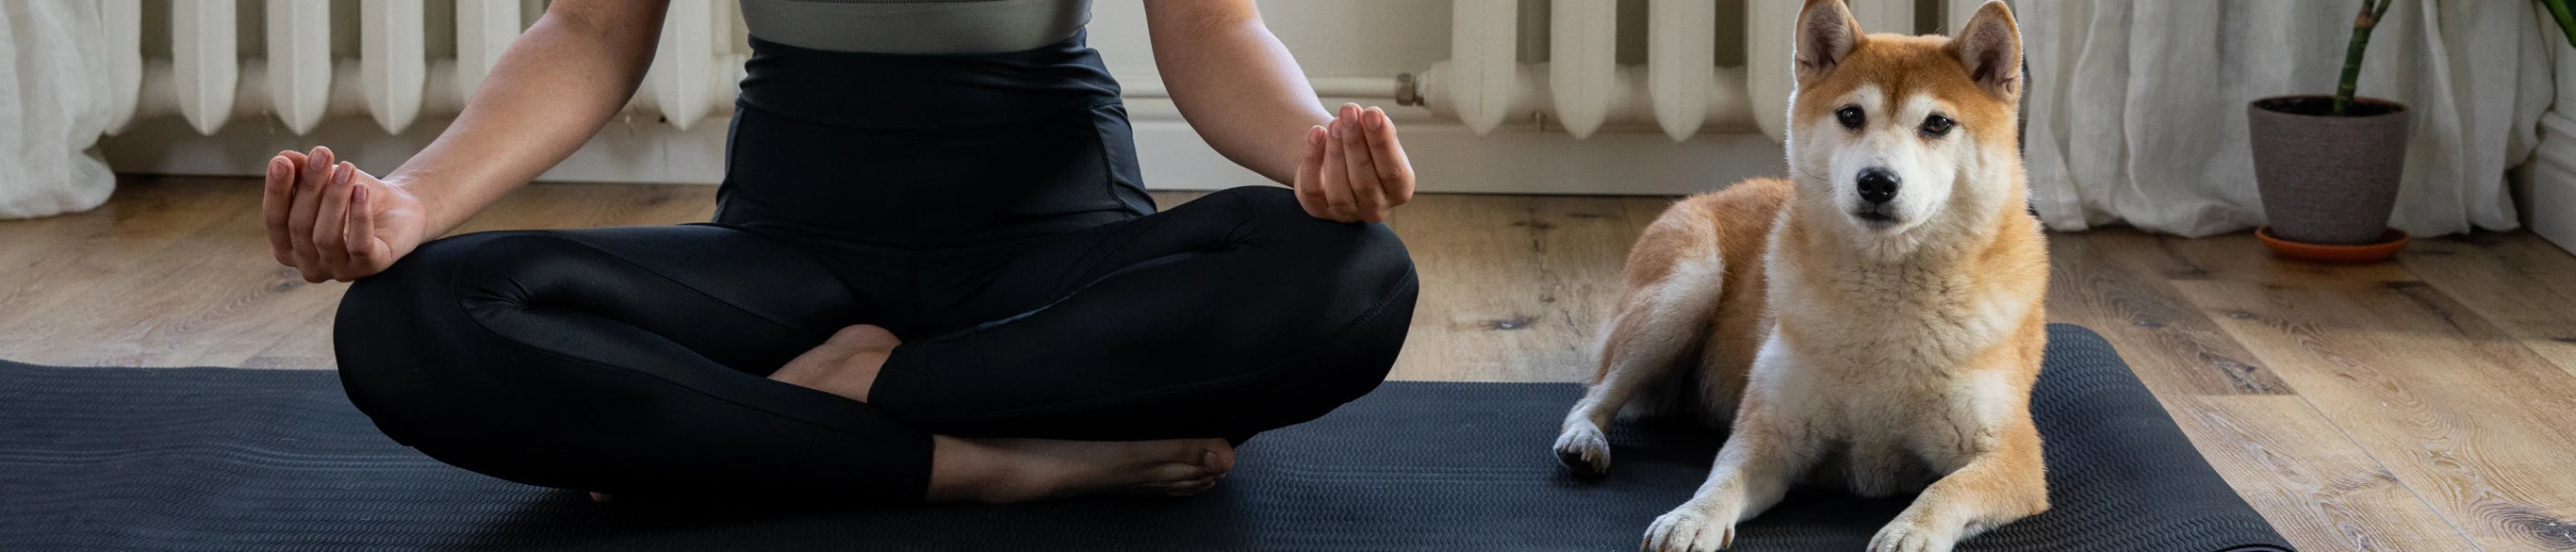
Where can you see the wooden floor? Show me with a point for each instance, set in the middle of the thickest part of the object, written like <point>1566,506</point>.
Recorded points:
<point>2428,404</point>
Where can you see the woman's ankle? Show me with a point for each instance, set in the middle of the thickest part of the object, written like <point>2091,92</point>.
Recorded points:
<point>964,470</point>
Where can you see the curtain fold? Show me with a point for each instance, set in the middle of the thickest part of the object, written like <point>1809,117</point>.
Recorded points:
<point>2137,109</point>
<point>53,107</point>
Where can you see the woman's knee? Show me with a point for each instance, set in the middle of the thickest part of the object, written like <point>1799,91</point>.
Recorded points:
<point>399,336</point>
<point>1359,275</point>
<point>1368,256</point>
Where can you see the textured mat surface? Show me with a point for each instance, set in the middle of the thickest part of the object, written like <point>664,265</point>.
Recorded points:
<point>225,459</point>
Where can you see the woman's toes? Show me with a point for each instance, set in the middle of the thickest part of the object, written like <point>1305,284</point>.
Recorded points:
<point>1220,458</point>
<point>1191,487</point>
<point>1179,473</point>
<point>1179,483</point>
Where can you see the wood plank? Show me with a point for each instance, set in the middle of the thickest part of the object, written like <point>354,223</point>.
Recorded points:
<point>214,297</point>
<point>45,259</point>
<point>1642,211</point>
<point>2319,489</point>
<point>566,205</point>
<point>1513,287</point>
<point>306,348</point>
<point>1165,200</point>
<point>2172,346</point>
<point>139,237</point>
<point>2238,257</point>
<point>2515,280</point>
<point>2455,409</point>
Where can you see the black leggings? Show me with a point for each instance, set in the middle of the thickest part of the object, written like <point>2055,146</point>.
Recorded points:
<point>633,360</point>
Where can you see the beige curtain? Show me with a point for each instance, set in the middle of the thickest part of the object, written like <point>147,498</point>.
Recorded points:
<point>2137,109</point>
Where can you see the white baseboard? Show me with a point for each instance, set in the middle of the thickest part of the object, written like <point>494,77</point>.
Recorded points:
<point>1447,156</point>
<point>628,151</point>
<point>2553,181</point>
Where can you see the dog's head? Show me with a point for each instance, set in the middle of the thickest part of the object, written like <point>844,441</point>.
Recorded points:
<point>1899,135</point>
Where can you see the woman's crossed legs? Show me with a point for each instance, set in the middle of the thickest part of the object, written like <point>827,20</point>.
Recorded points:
<point>1113,359</point>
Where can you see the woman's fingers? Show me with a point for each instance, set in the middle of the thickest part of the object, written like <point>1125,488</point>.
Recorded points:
<point>309,184</point>
<point>1309,184</point>
<point>365,253</point>
<point>331,220</point>
<point>1368,200</point>
<point>274,204</point>
<point>1394,171</point>
<point>1336,182</point>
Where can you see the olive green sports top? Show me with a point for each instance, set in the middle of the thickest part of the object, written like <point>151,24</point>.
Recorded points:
<point>915,26</point>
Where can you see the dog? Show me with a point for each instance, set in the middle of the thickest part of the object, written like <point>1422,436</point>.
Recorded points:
<point>1874,322</point>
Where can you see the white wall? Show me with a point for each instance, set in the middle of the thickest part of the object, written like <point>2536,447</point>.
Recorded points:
<point>1331,38</point>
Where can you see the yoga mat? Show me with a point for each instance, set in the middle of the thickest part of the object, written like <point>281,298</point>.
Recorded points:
<point>234,459</point>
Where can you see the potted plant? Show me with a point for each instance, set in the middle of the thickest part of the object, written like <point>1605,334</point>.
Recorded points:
<point>2328,166</point>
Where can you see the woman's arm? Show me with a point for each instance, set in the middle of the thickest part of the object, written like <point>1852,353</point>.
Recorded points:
<point>550,91</point>
<point>554,87</point>
<point>1234,82</point>
<point>1246,96</point>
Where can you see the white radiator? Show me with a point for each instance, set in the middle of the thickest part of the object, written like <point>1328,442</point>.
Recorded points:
<point>1679,89</point>
<point>1535,96</point>
<point>210,81</point>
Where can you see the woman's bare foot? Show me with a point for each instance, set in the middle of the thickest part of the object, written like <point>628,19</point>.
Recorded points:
<point>1014,470</point>
<point>1022,470</point>
<point>844,365</point>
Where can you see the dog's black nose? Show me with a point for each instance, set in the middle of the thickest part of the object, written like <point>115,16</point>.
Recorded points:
<point>1877,185</point>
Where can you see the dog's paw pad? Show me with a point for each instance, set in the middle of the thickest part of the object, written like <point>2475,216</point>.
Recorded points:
<point>1906,536</point>
<point>1687,529</point>
<point>1584,450</point>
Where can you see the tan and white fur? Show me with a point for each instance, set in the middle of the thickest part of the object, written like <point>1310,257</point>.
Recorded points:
<point>1874,322</point>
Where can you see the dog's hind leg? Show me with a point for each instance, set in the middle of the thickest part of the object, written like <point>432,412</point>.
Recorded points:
<point>1673,278</point>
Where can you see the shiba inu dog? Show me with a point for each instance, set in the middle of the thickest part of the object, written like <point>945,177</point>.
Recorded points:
<point>1874,322</point>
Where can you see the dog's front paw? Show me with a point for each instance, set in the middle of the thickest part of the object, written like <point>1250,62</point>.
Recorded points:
<point>1690,528</point>
<point>1583,449</point>
<point>1911,534</point>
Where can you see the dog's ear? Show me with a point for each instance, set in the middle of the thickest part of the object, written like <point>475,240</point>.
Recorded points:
<point>1990,47</point>
<point>1826,34</point>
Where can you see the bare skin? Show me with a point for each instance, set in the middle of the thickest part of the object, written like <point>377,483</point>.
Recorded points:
<point>1016,470</point>
<point>844,365</point>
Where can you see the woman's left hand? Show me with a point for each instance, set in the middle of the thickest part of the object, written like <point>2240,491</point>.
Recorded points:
<point>1354,169</point>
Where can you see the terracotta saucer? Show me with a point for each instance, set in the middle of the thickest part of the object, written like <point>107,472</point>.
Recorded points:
<point>2389,243</point>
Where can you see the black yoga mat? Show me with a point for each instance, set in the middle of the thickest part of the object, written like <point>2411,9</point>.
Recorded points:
<point>231,459</point>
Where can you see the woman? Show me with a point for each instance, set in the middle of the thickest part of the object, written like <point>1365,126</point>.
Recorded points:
<point>932,276</point>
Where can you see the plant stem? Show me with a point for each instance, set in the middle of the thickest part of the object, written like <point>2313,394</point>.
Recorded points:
<point>2361,26</point>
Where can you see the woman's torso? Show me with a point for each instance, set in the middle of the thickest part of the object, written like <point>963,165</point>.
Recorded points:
<point>941,141</point>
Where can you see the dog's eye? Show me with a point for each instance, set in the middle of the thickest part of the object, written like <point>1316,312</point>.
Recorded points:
<point>1937,126</point>
<point>1851,117</point>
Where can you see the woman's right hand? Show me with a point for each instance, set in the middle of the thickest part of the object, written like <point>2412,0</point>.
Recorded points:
<point>331,221</point>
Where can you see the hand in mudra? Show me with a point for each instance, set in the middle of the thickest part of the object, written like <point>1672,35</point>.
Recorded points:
<point>331,221</point>
<point>1354,169</point>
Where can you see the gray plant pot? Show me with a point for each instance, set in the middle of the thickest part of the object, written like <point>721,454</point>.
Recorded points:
<point>2327,179</point>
